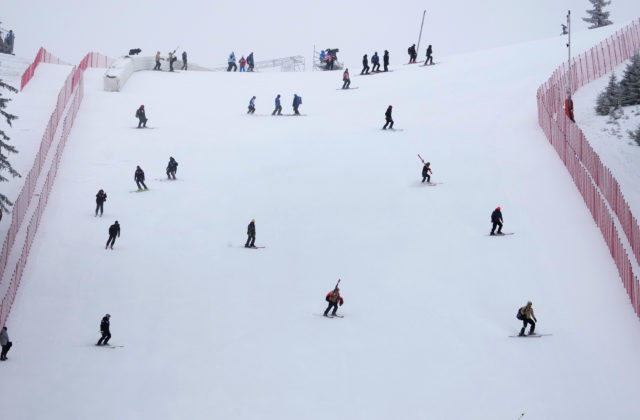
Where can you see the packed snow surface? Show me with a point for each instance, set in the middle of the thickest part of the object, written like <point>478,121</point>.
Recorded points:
<point>213,330</point>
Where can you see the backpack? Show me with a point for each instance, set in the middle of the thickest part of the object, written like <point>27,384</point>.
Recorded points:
<point>299,100</point>
<point>519,314</point>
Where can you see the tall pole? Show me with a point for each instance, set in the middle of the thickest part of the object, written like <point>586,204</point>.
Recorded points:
<point>569,53</point>
<point>420,36</point>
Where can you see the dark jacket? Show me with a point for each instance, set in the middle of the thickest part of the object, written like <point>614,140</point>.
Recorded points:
<point>387,114</point>
<point>140,114</point>
<point>172,166</point>
<point>296,101</point>
<point>385,57</point>
<point>139,175</point>
<point>365,61</point>
<point>251,229</point>
<point>345,75</point>
<point>425,170</point>
<point>114,229</point>
<point>250,59</point>
<point>101,197</point>
<point>429,51</point>
<point>412,50</point>
<point>104,325</point>
<point>496,216</point>
<point>184,56</point>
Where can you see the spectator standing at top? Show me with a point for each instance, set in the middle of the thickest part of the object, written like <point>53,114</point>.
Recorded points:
<point>242,63</point>
<point>158,58</point>
<point>365,65</point>
<point>250,62</point>
<point>385,59</point>
<point>171,59</point>
<point>412,53</point>
<point>232,62</point>
<point>278,108</point>
<point>184,60</point>
<point>429,59</point>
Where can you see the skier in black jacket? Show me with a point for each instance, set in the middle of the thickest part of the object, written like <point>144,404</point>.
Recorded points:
<point>101,197</point>
<point>114,231</point>
<point>387,117</point>
<point>426,169</point>
<point>184,60</point>
<point>250,62</point>
<point>412,53</point>
<point>142,118</point>
<point>105,331</point>
<point>172,168</point>
<point>139,178</point>
<point>496,219</point>
<point>251,234</point>
<point>429,57</point>
<point>296,103</point>
<point>365,65</point>
<point>385,60</point>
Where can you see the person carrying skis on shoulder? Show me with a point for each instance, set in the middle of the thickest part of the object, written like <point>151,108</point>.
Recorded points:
<point>375,60</point>
<point>242,63</point>
<point>114,231</point>
<point>334,299</point>
<point>105,331</point>
<point>412,53</point>
<point>426,169</point>
<point>365,65</point>
<point>346,79</point>
<point>101,197</point>
<point>297,101</point>
<point>387,117</point>
<point>172,59</point>
<point>184,61</point>
<point>252,105</point>
<point>429,57</point>
<point>278,107</point>
<point>142,117</point>
<point>138,176</point>
<point>172,168</point>
<point>250,62</point>
<point>385,60</point>
<point>158,58</point>
<point>526,315</point>
<point>251,235</point>
<point>496,220</point>
<point>232,62</point>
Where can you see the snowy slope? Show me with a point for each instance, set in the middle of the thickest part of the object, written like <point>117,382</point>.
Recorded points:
<point>212,330</point>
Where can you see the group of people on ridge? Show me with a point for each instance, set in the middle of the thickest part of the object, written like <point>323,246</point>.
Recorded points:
<point>375,63</point>
<point>329,57</point>
<point>244,62</point>
<point>297,101</point>
<point>171,58</point>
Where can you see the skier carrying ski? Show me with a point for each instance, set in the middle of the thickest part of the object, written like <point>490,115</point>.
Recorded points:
<point>232,62</point>
<point>429,57</point>
<point>496,219</point>
<point>297,101</point>
<point>101,197</point>
<point>142,117</point>
<point>138,176</point>
<point>105,331</point>
<point>172,168</point>
<point>251,235</point>
<point>334,299</point>
<point>278,107</point>
<point>252,105</point>
<point>346,79</point>
<point>114,231</point>
<point>385,60</point>
<point>184,60</point>
<point>158,58</point>
<point>242,63</point>
<point>5,343</point>
<point>172,59</point>
<point>387,117</point>
<point>426,169</point>
<point>375,60</point>
<point>412,53</point>
<point>526,315</point>
<point>365,65</point>
<point>250,62</point>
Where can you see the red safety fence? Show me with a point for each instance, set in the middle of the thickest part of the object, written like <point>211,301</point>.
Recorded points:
<point>73,90</point>
<point>43,56</point>
<point>599,188</point>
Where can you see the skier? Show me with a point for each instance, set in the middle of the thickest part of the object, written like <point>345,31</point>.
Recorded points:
<point>251,235</point>
<point>526,315</point>
<point>387,117</point>
<point>172,168</point>
<point>345,79</point>
<point>297,101</point>
<point>385,60</point>
<point>232,62</point>
<point>429,57</point>
<point>375,60</point>
<point>158,58</point>
<point>142,117</point>
<point>329,60</point>
<point>365,65</point>
<point>496,219</point>
<point>242,63</point>
<point>568,107</point>
<point>114,231</point>
<point>412,53</point>
<point>138,176</point>
<point>252,105</point>
<point>426,169</point>
<point>105,331</point>
<point>9,41</point>
<point>5,343</point>
<point>323,55</point>
<point>334,300</point>
<point>101,197</point>
<point>184,60</point>
<point>278,107</point>
<point>250,62</point>
<point>171,59</point>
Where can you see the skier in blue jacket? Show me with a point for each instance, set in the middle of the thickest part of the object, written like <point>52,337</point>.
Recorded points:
<point>252,105</point>
<point>375,60</point>
<point>278,107</point>
<point>232,62</point>
<point>297,101</point>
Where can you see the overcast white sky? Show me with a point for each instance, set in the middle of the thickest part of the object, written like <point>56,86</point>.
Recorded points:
<point>209,30</point>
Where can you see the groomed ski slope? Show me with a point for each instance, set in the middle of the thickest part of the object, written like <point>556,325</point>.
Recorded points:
<point>212,330</point>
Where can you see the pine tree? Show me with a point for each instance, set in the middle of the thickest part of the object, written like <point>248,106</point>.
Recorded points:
<point>597,18</point>
<point>5,165</point>
<point>630,83</point>
<point>609,99</point>
<point>635,135</point>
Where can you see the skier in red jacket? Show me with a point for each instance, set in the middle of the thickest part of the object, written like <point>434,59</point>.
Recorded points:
<point>334,299</point>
